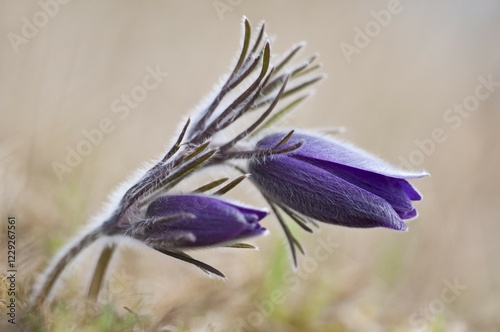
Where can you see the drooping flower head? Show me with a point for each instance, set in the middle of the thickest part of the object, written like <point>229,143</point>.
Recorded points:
<point>336,183</point>
<point>305,176</point>
<point>193,221</point>
<point>175,223</point>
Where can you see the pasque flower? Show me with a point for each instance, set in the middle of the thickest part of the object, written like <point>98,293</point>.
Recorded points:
<point>147,207</point>
<point>190,221</point>
<point>305,176</point>
<point>334,182</point>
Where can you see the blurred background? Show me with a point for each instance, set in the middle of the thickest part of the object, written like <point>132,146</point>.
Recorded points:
<point>414,82</point>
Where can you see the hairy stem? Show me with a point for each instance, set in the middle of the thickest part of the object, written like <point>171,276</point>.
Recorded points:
<point>49,277</point>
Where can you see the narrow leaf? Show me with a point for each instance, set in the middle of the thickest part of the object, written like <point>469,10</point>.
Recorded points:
<point>241,246</point>
<point>210,185</point>
<point>231,185</point>
<point>186,258</point>
<point>280,114</point>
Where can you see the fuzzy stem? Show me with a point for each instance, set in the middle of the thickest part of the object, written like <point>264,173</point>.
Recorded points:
<point>49,277</point>
<point>100,271</point>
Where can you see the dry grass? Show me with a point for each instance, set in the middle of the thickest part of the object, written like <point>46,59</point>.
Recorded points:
<point>394,92</point>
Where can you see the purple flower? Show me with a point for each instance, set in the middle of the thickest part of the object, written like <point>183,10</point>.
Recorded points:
<point>189,221</point>
<point>336,183</point>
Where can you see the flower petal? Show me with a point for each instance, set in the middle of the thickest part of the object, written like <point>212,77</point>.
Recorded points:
<point>216,221</point>
<point>412,193</point>
<point>387,188</point>
<point>329,149</point>
<point>321,195</point>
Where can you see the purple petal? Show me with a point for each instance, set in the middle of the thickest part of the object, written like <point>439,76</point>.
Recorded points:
<point>321,195</point>
<point>250,214</point>
<point>328,149</point>
<point>412,193</point>
<point>411,214</point>
<point>216,221</point>
<point>390,189</point>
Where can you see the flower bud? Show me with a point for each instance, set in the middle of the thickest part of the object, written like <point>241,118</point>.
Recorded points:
<point>336,183</point>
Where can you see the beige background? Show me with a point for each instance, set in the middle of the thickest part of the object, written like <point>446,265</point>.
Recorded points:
<point>396,91</point>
